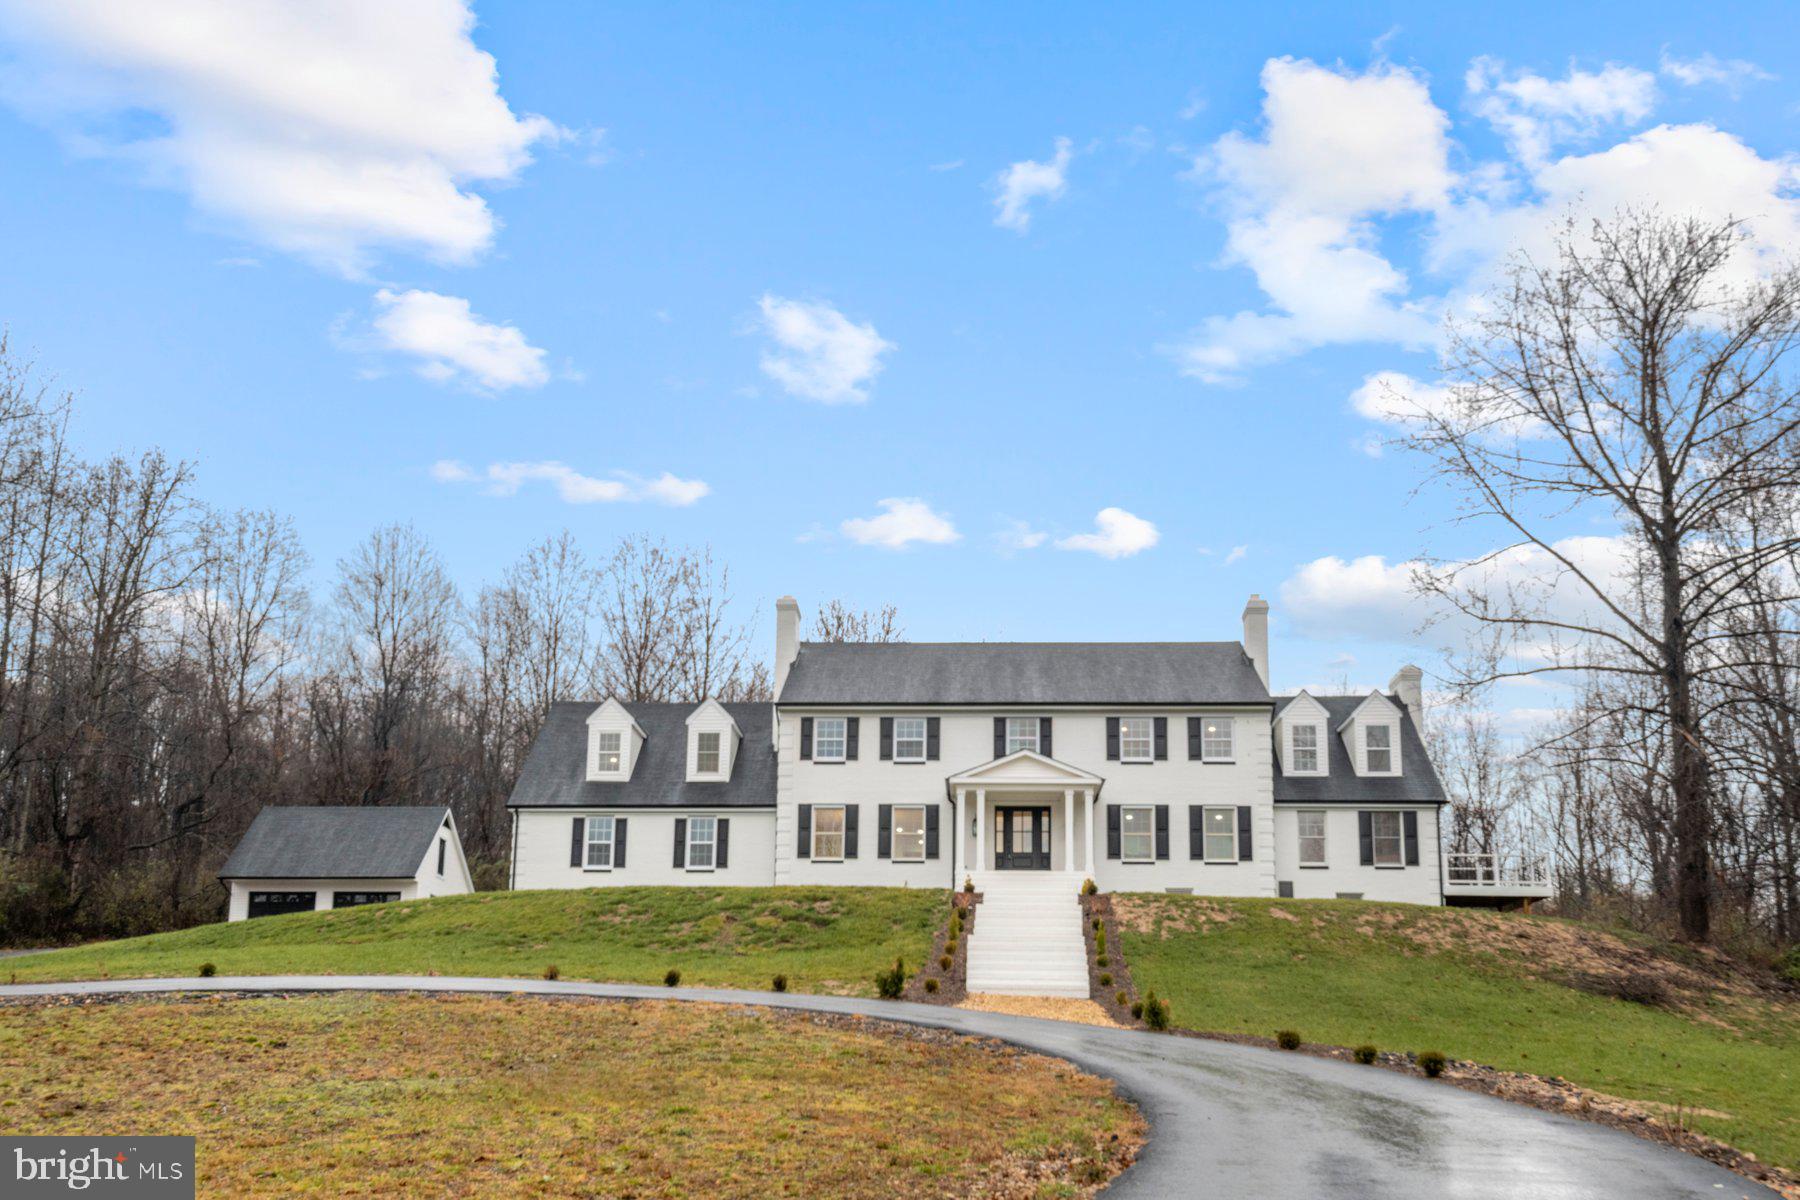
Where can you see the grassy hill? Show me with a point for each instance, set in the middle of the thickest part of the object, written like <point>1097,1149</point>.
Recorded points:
<point>825,939</point>
<point>1667,1025</point>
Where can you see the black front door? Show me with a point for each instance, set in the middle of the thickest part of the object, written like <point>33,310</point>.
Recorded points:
<point>1021,839</point>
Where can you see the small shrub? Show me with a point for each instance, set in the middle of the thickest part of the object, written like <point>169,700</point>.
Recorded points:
<point>207,970</point>
<point>1287,1039</point>
<point>1119,999</point>
<point>1364,1054</point>
<point>1137,1009</point>
<point>1088,888</point>
<point>968,885</point>
<point>1432,1062</point>
<point>1106,979</point>
<point>779,983</point>
<point>1156,1012</point>
<point>931,985</point>
<point>673,978</point>
<point>1097,924</point>
<point>946,962</point>
<point>949,945</point>
<point>890,983</point>
<point>552,972</point>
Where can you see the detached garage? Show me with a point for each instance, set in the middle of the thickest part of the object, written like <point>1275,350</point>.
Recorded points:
<point>307,859</point>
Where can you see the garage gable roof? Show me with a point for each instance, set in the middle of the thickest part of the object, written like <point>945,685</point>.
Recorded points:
<point>335,842</point>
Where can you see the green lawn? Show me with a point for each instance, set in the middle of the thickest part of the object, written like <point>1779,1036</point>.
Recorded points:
<point>1510,991</point>
<point>824,939</point>
<point>480,1096</point>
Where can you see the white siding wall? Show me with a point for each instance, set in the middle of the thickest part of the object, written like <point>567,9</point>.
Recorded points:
<point>322,888</point>
<point>455,880</point>
<point>1344,871</point>
<point>1078,738</point>
<point>541,849</point>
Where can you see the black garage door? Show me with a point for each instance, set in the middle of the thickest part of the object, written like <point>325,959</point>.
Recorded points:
<point>270,904</point>
<point>356,899</point>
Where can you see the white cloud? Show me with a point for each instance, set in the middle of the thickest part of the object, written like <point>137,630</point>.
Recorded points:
<point>506,478</point>
<point>1117,534</point>
<point>1731,74</point>
<point>326,129</point>
<point>1535,114</point>
<point>1338,149</point>
<point>1236,555</point>
<point>1026,181</point>
<point>821,354</point>
<point>451,343</point>
<point>1019,535</point>
<point>903,521</point>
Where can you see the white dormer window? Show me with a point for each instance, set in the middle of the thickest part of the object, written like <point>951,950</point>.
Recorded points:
<point>1378,749</point>
<point>706,752</point>
<point>1304,749</point>
<point>828,739</point>
<point>1216,742</point>
<point>609,753</point>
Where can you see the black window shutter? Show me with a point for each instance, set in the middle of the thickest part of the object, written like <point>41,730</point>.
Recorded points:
<point>1162,831</point>
<point>1412,838</point>
<point>1194,736</point>
<point>804,849</point>
<point>1112,831</point>
<point>1244,833</point>
<point>999,736</point>
<point>1162,737</point>
<point>1365,836</point>
<point>931,832</point>
<point>1196,831</point>
<point>681,841</point>
<point>1044,737</point>
<point>884,832</point>
<point>887,738</point>
<point>850,814</point>
<point>618,841</point>
<point>722,852</point>
<point>805,737</point>
<point>931,738</point>
<point>576,845</point>
<point>1112,742</point>
<point>850,724</point>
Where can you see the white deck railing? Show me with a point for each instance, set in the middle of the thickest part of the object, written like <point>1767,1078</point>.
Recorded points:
<point>1494,870</point>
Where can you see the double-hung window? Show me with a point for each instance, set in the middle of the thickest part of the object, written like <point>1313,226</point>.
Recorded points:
<point>702,837</point>
<point>828,739</point>
<point>1219,825</point>
<point>1378,749</point>
<point>1312,838</point>
<point>827,833</point>
<point>909,833</point>
<point>599,843</point>
<point>1137,739</point>
<point>609,755</point>
<point>1216,743</point>
<point>1389,851</point>
<point>1021,734</point>
<point>909,739</point>
<point>1305,745</point>
<point>706,753</point>
<point>1137,834</point>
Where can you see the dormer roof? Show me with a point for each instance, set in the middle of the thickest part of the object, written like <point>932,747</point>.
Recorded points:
<point>1378,704</point>
<point>613,708</point>
<point>554,774</point>
<point>709,705</point>
<point>1341,785</point>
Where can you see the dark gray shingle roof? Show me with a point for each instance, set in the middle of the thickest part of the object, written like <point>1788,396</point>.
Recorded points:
<point>332,842</point>
<point>1416,784</point>
<point>1023,673</point>
<point>555,771</point>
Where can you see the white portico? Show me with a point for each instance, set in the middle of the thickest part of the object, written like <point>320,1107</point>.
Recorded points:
<point>1024,812</point>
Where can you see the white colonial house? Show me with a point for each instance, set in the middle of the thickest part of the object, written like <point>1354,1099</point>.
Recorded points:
<point>1027,767</point>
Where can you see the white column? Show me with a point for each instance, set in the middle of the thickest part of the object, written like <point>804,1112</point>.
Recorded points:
<point>980,829</point>
<point>1068,830</point>
<point>1088,855</point>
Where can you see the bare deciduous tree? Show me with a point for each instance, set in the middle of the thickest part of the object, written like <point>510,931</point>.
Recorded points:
<point>838,622</point>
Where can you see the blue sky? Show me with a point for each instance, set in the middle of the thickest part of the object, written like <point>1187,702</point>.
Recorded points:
<point>358,278</point>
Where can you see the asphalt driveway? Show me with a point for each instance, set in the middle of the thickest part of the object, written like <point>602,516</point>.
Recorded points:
<point>1226,1121</point>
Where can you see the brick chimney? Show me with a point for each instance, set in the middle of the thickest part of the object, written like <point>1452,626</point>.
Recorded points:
<point>787,639</point>
<point>1256,634</point>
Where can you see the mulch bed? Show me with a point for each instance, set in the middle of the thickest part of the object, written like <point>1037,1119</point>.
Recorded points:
<point>1107,995</point>
<point>952,984</point>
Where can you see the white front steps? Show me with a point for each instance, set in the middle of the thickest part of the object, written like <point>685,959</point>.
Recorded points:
<point>1027,939</point>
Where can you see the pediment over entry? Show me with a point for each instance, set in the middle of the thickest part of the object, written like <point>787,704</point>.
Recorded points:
<point>1025,769</point>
